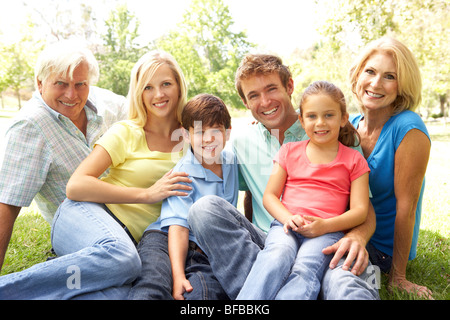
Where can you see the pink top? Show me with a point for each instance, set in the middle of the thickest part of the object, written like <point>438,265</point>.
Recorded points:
<point>321,190</point>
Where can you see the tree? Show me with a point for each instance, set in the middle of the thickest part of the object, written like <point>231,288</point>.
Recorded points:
<point>421,24</point>
<point>59,20</point>
<point>120,51</point>
<point>207,49</point>
<point>17,63</point>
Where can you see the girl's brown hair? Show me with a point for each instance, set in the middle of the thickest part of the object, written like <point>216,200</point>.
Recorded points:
<point>348,135</point>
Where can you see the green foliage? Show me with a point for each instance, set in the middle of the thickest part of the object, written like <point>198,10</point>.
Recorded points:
<point>30,242</point>
<point>17,63</point>
<point>120,51</point>
<point>421,24</point>
<point>207,50</point>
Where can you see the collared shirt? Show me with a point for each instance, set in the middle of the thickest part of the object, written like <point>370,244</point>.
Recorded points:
<point>42,148</point>
<point>133,164</point>
<point>255,148</point>
<point>175,209</point>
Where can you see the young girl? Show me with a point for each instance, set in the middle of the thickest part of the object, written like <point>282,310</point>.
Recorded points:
<point>318,180</point>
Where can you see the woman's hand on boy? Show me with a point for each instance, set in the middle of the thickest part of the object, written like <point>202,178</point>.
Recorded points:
<point>171,184</point>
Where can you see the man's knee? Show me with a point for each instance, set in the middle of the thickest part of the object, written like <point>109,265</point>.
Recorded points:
<point>200,211</point>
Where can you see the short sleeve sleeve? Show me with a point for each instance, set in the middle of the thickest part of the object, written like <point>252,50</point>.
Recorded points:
<point>175,210</point>
<point>280,156</point>
<point>360,166</point>
<point>25,164</point>
<point>116,141</point>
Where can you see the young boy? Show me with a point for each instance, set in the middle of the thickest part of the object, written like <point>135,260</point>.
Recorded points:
<point>213,171</point>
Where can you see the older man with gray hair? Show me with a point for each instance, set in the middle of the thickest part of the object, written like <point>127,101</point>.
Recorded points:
<point>53,133</point>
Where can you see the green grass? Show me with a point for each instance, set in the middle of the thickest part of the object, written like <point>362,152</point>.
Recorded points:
<point>30,242</point>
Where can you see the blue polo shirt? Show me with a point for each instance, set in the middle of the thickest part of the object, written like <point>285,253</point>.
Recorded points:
<point>175,209</point>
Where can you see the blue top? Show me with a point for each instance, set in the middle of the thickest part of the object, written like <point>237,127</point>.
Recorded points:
<point>175,209</point>
<point>381,179</point>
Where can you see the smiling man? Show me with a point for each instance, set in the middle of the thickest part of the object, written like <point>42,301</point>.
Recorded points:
<point>230,241</point>
<point>53,133</point>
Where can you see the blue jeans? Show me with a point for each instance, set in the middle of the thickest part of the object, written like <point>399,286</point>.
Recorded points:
<point>96,259</point>
<point>232,244</point>
<point>155,281</point>
<point>289,267</point>
<point>378,258</point>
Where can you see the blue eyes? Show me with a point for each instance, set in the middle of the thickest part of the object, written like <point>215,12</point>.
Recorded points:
<point>387,76</point>
<point>165,84</point>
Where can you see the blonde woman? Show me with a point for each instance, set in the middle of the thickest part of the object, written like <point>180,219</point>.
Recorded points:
<point>95,232</point>
<point>386,82</point>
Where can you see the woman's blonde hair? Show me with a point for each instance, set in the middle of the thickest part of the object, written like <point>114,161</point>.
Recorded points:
<point>409,80</point>
<point>142,73</point>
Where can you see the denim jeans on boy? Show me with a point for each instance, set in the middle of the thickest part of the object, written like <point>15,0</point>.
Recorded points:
<point>155,281</point>
<point>289,267</point>
<point>96,259</point>
<point>232,244</point>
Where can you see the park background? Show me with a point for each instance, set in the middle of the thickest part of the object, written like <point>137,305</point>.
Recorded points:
<point>317,39</point>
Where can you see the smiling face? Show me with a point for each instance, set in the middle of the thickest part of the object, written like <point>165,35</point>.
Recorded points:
<point>269,101</point>
<point>208,142</point>
<point>377,85</point>
<point>65,95</point>
<point>322,119</point>
<point>161,94</point>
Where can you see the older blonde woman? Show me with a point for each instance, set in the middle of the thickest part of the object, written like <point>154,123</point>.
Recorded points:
<point>95,232</point>
<point>386,82</point>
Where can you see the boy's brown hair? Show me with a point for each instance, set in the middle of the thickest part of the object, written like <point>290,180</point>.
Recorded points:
<point>261,64</point>
<point>208,109</point>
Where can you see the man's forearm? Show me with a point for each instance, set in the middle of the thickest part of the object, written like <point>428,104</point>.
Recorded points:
<point>365,230</point>
<point>8,215</point>
<point>248,206</point>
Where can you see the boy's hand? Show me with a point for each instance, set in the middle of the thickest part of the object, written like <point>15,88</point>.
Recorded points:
<point>180,287</point>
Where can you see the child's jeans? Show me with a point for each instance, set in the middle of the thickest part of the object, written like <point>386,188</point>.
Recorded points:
<point>232,244</point>
<point>155,281</point>
<point>290,267</point>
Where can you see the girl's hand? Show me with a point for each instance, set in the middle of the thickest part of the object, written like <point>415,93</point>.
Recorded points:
<point>168,185</point>
<point>293,222</point>
<point>180,287</point>
<point>313,227</point>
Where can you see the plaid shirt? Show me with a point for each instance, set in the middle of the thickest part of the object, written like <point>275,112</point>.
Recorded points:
<point>42,149</point>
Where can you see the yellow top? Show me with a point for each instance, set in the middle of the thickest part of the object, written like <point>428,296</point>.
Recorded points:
<point>135,165</point>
